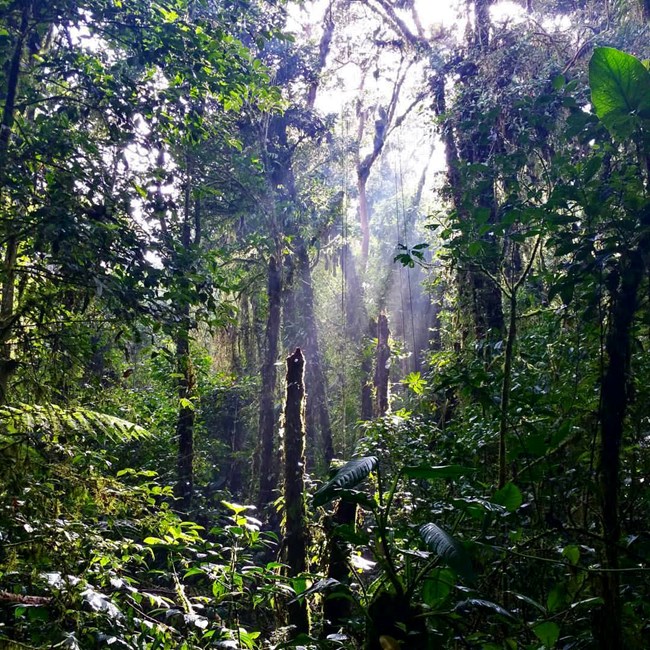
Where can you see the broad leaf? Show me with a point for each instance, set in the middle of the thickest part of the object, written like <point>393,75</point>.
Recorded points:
<point>548,633</point>
<point>487,605</point>
<point>620,90</point>
<point>436,471</point>
<point>449,549</point>
<point>351,474</point>
<point>509,496</point>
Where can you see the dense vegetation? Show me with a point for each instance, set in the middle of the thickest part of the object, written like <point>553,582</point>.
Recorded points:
<point>440,232</point>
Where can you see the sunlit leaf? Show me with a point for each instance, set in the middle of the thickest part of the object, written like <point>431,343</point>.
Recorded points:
<point>620,90</point>
<point>487,605</point>
<point>436,471</point>
<point>351,474</point>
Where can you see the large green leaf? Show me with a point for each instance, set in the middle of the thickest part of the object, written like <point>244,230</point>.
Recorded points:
<point>548,633</point>
<point>449,550</point>
<point>351,474</point>
<point>620,90</point>
<point>509,496</point>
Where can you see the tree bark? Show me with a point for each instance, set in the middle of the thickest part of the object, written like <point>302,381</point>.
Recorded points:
<point>613,407</point>
<point>295,537</point>
<point>382,368</point>
<point>337,610</point>
<point>7,316</point>
<point>267,419</point>
<point>315,380</point>
<point>185,423</point>
<point>477,290</point>
<point>186,381</point>
<point>366,374</point>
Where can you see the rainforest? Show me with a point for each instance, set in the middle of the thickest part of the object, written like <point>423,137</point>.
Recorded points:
<point>325,324</point>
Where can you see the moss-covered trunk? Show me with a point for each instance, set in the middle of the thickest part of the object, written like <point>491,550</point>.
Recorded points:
<point>295,533</point>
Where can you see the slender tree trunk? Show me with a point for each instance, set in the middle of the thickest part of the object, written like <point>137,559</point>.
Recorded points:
<point>186,381</point>
<point>267,419</point>
<point>295,536</point>
<point>7,316</point>
<point>315,380</point>
<point>237,436</point>
<point>364,215</point>
<point>185,423</point>
<point>356,324</point>
<point>366,374</point>
<point>505,388</point>
<point>382,369</point>
<point>614,401</point>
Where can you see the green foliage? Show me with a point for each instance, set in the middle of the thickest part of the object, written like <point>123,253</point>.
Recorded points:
<point>98,556</point>
<point>448,550</point>
<point>49,423</point>
<point>620,90</point>
<point>351,474</point>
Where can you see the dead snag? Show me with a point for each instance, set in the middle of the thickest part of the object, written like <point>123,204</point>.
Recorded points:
<point>295,536</point>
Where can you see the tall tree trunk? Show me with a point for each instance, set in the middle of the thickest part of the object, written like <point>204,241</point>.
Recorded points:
<point>267,419</point>
<point>476,289</point>
<point>364,214</point>
<point>613,406</point>
<point>186,380</point>
<point>382,368</point>
<point>366,374</point>
<point>185,423</point>
<point>315,380</point>
<point>356,323</point>
<point>7,316</point>
<point>295,536</point>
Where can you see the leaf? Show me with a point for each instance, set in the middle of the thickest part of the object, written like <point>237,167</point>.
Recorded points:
<point>488,605</point>
<point>572,553</point>
<point>556,598</point>
<point>548,633</point>
<point>415,382</point>
<point>436,471</point>
<point>509,496</point>
<point>51,421</point>
<point>620,90</point>
<point>448,549</point>
<point>437,587</point>
<point>351,474</point>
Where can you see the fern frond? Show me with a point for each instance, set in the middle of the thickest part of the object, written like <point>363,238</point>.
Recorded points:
<point>49,422</point>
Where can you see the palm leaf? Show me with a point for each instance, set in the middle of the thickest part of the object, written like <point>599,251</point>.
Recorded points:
<point>351,474</point>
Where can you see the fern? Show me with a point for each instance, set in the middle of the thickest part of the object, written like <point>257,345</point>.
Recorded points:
<point>49,423</point>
